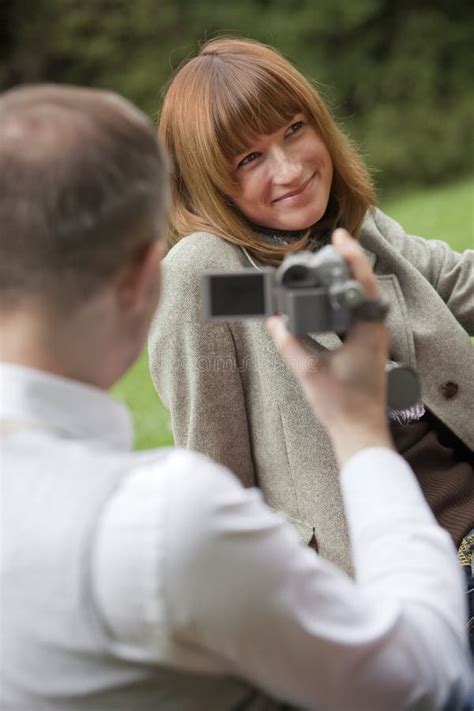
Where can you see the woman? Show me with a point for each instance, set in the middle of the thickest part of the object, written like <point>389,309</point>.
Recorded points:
<point>260,170</point>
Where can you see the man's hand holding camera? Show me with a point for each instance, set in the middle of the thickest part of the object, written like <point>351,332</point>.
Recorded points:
<point>347,391</point>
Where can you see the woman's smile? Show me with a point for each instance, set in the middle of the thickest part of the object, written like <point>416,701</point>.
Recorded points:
<point>296,196</point>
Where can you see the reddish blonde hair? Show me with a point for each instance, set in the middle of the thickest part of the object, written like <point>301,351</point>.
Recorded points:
<point>215,106</point>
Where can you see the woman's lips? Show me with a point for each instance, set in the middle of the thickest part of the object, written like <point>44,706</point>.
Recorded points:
<point>295,194</point>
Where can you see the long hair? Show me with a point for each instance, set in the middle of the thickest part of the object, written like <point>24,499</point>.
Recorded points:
<point>215,106</point>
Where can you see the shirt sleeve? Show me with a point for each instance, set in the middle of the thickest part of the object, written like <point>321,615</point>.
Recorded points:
<point>232,591</point>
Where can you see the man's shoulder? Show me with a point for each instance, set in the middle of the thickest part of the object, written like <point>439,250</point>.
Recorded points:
<point>175,468</point>
<point>173,490</point>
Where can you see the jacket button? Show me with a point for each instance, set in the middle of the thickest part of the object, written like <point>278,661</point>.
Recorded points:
<point>449,390</point>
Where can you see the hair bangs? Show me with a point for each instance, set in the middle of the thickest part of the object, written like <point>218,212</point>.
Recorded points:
<point>245,102</point>
<point>249,104</point>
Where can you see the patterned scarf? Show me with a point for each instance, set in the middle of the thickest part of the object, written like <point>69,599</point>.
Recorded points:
<point>317,237</point>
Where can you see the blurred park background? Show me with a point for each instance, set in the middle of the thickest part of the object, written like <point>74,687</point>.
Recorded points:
<point>397,75</point>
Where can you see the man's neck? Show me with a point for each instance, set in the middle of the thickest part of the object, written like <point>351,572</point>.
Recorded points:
<point>69,347</point>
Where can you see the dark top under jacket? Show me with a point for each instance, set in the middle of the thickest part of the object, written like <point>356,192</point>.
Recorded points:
<point>444,467</point>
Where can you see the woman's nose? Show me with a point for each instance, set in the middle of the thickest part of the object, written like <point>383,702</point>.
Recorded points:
<point>285,168</point>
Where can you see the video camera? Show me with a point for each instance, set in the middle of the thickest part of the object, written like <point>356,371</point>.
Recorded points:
<point>316,293</point>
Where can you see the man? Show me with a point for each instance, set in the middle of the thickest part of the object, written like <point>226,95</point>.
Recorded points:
<point>153,580</point>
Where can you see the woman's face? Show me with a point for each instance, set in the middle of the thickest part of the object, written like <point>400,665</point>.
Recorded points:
<point>284,179</point>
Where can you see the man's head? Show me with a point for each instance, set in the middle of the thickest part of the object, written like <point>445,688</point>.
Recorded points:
<point>81,188</point>
<point>83,196</point>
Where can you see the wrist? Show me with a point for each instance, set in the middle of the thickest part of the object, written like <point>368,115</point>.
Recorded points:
<point>351,437</point>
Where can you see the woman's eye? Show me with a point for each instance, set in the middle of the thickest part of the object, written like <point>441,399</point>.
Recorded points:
<point>248,159</point>
<point>294,127</point>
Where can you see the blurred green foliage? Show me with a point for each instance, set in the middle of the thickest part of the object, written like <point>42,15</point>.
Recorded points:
<point>398,75</point>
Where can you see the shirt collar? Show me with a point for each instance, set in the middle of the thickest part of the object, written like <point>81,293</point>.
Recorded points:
<point>67,406</point>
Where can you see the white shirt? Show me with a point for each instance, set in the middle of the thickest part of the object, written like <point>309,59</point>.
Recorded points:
<point>192,571</point>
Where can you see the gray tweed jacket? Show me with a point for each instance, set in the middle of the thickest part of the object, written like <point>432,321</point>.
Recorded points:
<point>231,397</point>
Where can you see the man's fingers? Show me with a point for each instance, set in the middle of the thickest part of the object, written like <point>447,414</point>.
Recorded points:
<point>355,257</point>
<point>373,335</point>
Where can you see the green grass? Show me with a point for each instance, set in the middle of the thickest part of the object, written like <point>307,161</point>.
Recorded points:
<point>445,212</point>
<point>150,418</point>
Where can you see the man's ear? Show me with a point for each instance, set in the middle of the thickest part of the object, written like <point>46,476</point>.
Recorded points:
<point>138,284</point>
